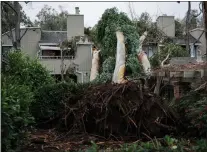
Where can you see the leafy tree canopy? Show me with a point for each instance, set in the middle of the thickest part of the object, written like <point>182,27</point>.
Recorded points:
<point>8,16</point>
<point>179,28</point>
<point>105,32</point>
<point>174,51</point>
<point>50,19</point>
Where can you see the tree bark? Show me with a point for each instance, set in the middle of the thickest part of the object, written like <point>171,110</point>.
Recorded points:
<point>205,22</point>
<point>157,87</point>
<point>17,26</point>
<point>62,65</point>
<point>187,27</point>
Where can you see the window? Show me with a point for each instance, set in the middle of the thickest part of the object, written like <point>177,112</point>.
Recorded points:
<point>192,51</point>
<point>150,51</point>
<point>5,50</point>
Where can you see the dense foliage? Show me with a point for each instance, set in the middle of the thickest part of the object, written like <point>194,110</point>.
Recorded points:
<point>50,19</point>
<point>193,108</point>
<point>174,50</point>
<point>8,17</point>
<point>27,71</point>
<point>133,66</point>
<point>169,48</point>
<point>154,60</point>
<point>15,101</point>
<point>49,100</point>
<point>20,80</point>
<point>104,35</point>
<point>167,144</point>
<point>110,22</point>
<point>109,65</point>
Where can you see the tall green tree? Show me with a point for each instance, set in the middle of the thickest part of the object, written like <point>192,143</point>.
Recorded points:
<point>8,16</point>
<point>179,28</point>
<point>105,34</point>
<point>144,23</point>
<point>50,19</point>
<point>193,18</point>
<point>12,17</point>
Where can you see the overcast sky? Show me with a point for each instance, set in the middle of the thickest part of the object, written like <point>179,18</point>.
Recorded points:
<point>93,10</point>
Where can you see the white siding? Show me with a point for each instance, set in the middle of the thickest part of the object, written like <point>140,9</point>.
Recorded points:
<point>167,25</point>
<point>75,26</point>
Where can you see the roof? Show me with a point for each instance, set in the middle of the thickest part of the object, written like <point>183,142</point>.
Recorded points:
<point>53,36</point>
<point>22,28</point>
<point>165,16</point>
<point>49,48</point>
<point>197,29</point>
<point>182,40</point>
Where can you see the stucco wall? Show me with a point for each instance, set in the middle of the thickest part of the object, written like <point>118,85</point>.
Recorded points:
<point>75,26</point>
<point>167,25</point>
<point>29,42</point>
<point>184,60</point>
<point>196,34</point>
<point>83,59</point>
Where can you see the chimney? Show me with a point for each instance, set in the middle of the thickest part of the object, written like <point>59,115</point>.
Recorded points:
<point>167,25</point>
<point>77,10</point>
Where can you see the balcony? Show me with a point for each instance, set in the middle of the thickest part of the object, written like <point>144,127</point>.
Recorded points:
<point>57,57</point>
<point>53,63</point>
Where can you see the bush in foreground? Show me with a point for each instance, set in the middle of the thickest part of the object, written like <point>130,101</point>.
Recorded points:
<point>20,79</point>
<point>16,99</point>
<point>193,109</point>
<point>49,100</point>
<point>166,144</point>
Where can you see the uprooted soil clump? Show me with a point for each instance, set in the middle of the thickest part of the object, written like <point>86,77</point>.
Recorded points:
<point>117,110</point>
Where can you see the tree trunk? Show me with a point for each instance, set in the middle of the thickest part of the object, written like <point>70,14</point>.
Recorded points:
<point>62,65</point>
<point>157,87</point>
<point>205,22</point>
<point>187,27</point>
<point>17,26</point>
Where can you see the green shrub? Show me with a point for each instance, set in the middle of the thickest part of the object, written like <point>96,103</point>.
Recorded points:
<point>167,144</point>
<point>49,100</point>
<point>174,50</point>
<point>109,65</point>
<point>133,66</point>
<point>105,32</point>
<point>103,78</point>
<point>154,60</point>
<point>16,99</point>
<point>27,71</point>
<point>193,109</point>
<point>20,80</point>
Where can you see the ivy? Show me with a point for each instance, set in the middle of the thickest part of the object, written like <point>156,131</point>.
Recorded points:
<point>110,22</point>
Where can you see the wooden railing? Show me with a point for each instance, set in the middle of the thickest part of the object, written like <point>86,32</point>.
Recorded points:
<point>56,57</point>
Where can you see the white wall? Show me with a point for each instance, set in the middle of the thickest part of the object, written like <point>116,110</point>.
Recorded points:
<point>196,33</point>
<point>29,42</point>
<point>167,25</point>
<point>75,26</point>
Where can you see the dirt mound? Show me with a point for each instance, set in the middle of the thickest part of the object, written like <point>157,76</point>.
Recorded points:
<point>117,110</point>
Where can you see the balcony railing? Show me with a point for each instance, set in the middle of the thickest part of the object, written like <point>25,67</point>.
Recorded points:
<point>56,57</point>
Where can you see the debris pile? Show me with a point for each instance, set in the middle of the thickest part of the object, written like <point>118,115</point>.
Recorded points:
<point>189,66</point>
<point>118,110</point>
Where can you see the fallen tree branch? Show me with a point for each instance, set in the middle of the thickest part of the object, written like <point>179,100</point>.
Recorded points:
<point>201,86</point>
<point>165,126</point>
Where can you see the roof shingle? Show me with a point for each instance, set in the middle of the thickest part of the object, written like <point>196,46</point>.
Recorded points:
<point>53,36</point>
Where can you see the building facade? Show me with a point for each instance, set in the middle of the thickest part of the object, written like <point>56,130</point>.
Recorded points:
<point>166,29</point>
<point>199,33</point>
<point>45,46</point>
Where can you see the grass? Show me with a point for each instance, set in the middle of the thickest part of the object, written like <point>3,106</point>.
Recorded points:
<point>166,144</point>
